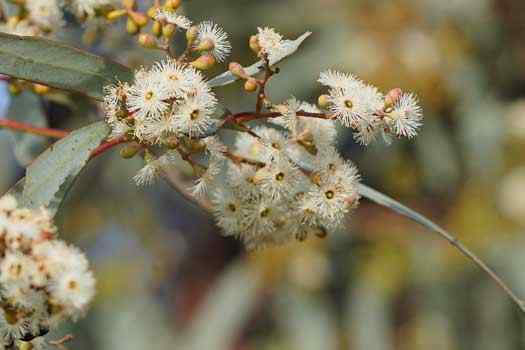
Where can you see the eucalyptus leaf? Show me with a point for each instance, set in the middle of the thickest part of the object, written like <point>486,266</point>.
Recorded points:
<point>51,175</point>
<point>58,65</point>
<point>27,108</point>
<point>290,47</point>
<point>399,208</point>
<point>385,201</point>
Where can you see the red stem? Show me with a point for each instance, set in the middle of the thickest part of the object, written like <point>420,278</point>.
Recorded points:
<point>108,145</point>
<point>28,128</point>
<point>58,134</point>
<point>249,116</point>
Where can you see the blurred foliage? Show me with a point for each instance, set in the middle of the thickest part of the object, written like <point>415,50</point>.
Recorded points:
<point>168,279</point>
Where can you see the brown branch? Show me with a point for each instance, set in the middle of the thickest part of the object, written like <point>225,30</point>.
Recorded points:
<point>239,159</point>
<point>30,129</point>
<point>244,117</point>
<point>261,94</point>
<point>58,134</point>
<point>174,180</point>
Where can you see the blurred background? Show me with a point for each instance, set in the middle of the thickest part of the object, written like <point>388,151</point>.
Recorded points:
<point>166,277</point>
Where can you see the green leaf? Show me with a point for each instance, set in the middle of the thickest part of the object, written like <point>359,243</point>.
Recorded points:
<point>290,47</point>
<point>51,175</point>
<point>385,201</point>
<point>399,208</point>
<point>27,108</point>
<point>58,65</point>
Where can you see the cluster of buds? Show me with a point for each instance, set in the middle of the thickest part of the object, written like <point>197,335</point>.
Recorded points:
<point>45,17</point>
<point>206,43</point>
<point>44,281</point>
<point>278,181</point>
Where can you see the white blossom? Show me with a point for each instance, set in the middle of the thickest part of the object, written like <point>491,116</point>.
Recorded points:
<point>173,18</point>
<point>147,96</point>
<point>405,116</point>
<point>44,281</point>
<point>44,13</point>
<point>271,43</point>
<point>217,37</point>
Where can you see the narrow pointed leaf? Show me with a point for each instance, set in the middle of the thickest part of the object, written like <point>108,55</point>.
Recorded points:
<point>58,65</point>
<point>385,201</point>
<point>399,208</point>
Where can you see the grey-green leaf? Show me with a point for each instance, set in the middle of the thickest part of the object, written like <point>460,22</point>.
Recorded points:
<point>399,208</point>
<point>290,47</point>
<point>58,65</point>
<point>52,174</point>
<point>27,108</point>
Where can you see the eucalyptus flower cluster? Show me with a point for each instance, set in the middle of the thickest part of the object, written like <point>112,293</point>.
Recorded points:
<point>165,101</point>
<point>44,17</point>
<point>280,180</point>
<point>44,281</point>
<point>366,110</point>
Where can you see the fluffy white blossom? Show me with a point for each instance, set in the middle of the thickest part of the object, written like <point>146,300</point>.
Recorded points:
<point>172,17</point>
<point>280,178</point>
<point>44,281</point>
<point>363,108</point>
<point>148,95</point>
<point>271,43</point>
<point>354,102</point>
<point>23,27</point>
<point>193,116</point>
<point>46,14</point>
<point>212,34</point>
<point>87,8</point>
<point>405,116</point>
<point>166,100</point>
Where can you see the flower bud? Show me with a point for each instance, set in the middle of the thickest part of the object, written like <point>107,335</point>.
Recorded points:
<point>321,233</point>
<point>205,45</point>
<point>172,143</point>
<point>152,12</point>
<point>15,89</point>
<point>168,30</point>
<point>13,21</point>
<point>237,70</point>
<point>41,89</point>
<point>323,101</point>
<point>139,18</point>
<point>156,29</point>
<point>128,4</point>
<point>115,14</point>
<point>251,85</point>
<point>191,34</point>
<point>392,97</point>
<point>147,41</point>
<point>131,27</point>
<point>25,345</point>
<point>172,4</point>
<point>204,62</point>
<point>254,44</point>
<point>130,151</point>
